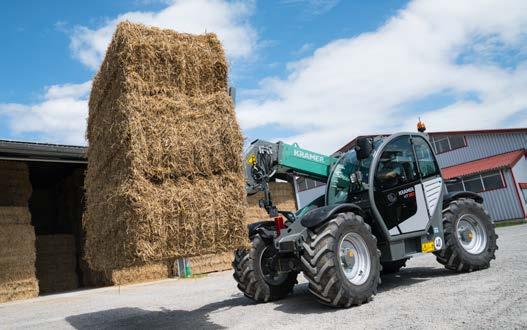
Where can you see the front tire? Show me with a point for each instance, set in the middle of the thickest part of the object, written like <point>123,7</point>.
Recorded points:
<point>470,238</point>
<point>253,277</point>
<point>341,261</point>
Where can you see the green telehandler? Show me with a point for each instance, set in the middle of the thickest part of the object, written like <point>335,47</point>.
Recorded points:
<point>385,202</point>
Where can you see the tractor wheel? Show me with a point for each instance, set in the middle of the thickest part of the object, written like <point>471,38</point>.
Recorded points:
<point>341,261</point>
<point>470,238</point>
<point>390,267</point>
<point>253,272</point>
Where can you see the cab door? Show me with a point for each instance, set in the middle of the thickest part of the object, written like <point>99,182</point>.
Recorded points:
<point>398,193</point>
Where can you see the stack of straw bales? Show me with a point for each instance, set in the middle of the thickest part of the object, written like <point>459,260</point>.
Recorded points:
<point>17,236</point>
<point>56,263</point>
<point>164,178</point>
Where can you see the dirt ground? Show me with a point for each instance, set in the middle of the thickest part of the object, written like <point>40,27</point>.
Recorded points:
<point>423,295</point>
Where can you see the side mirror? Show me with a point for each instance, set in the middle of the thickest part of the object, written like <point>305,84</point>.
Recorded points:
<point>363,147</point>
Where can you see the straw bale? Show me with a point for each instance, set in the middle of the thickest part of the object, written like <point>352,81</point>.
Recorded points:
<point>15,187</point>
<point>152,222</point>
<point>16,290</point>
<point>283,197</point>
<point>210,263</point>
<point>169,138</point>
<point>14,215</point>
<point>141,273</point>
<point>17,262</point>
<point>164,177</point>
<point>56,263</point>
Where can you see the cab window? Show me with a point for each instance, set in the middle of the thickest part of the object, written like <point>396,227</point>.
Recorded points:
<point>397,165</point>
<point>425,158</point>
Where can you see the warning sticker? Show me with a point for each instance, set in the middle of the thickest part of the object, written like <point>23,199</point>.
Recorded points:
<point>427,247</point>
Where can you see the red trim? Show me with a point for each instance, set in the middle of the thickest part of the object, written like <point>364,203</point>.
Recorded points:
<point>523,185</point>
<point>518,194</point>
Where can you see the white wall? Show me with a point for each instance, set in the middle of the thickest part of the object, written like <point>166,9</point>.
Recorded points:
<point>520,174</point>
<point>307,196</point>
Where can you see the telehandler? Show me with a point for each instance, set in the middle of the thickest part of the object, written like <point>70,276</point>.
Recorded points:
<point>385,202</point>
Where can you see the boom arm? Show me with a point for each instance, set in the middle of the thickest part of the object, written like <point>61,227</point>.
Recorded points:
<point>266,160</point>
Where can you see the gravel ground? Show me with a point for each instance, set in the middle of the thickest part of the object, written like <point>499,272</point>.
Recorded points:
<point>424,295</point>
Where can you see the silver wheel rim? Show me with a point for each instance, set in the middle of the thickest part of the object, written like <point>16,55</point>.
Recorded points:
<point>354,258</point>
<point>276,279</point>
<point>471,234</point>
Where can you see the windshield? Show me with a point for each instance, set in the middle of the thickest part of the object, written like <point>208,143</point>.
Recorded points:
<point>349,176</point>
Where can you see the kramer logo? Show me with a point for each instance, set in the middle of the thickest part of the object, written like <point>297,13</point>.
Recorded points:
<point>406,191</point>
<point>308,156</point>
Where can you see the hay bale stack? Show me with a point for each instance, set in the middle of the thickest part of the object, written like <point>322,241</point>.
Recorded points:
<point>283,197</point>
<point>17,262</point>
<point>17,236</point>
<point>164,178</point>
<point>56,263</point>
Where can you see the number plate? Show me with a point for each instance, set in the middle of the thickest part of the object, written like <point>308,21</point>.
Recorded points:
<point>427,247</point>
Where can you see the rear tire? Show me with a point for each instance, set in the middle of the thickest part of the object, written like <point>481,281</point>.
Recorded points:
<point>470,238</point>
<point>251,278</point>
<point>390,267</point>
<point>324,263</point>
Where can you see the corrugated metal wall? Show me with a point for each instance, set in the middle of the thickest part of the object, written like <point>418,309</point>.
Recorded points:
<point>503,204</point>
<point>481,146</point>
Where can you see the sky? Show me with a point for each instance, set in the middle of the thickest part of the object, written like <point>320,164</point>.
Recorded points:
<point>316,72</point>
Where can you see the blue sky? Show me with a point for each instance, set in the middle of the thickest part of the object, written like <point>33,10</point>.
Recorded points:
<point>318,72</point>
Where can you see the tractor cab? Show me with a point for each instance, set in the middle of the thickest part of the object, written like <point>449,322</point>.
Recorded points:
<point>398,183</point>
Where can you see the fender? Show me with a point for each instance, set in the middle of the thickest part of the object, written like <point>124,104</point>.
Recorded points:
<point>450,196</point>
<point>323,214</point>
<point>253,227</point>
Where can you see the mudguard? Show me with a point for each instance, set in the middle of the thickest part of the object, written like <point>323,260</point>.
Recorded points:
<point>450,196</point>
<point>253,227</point>
<point>322,214</point>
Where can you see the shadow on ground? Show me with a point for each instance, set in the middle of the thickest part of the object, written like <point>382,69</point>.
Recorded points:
<point>300,302</point>
<point>137,318</point>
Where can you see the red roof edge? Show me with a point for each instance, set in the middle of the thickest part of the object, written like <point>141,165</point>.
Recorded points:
<point>508,159</point>
<point>523,185</point>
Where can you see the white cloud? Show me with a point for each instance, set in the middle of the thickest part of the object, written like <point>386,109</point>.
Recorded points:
<point>228,19</point>
<point>315,7</point>
<point>60,117</point>
<point>360,85</point>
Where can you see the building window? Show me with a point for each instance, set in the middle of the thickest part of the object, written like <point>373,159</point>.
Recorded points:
<point>479,182</point>
<point>447,143</point>
<point>307,184</point>
<point>473,183</point>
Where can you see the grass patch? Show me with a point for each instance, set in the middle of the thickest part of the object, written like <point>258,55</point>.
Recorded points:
<point>508,223</point>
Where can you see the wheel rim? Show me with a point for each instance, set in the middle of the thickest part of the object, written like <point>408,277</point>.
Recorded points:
<point>354,258</point>
<point>265,261</point>
<point>471,234</point>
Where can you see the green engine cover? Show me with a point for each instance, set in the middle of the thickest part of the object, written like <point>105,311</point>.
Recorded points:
<point>304,161</point>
